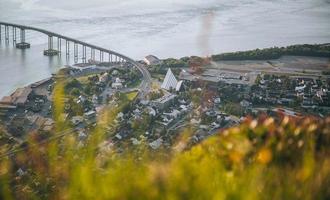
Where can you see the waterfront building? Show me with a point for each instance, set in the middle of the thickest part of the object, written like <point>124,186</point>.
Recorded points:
<point>18,98</point>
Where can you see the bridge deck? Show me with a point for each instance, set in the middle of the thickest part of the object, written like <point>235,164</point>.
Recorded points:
<point>49,33</point>
<point>145,85</point>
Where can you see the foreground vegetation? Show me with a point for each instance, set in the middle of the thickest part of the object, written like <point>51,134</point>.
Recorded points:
<point>260,159</point>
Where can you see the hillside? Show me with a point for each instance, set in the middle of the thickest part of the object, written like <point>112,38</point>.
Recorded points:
<point>316,50</point>
<point>259,159</point>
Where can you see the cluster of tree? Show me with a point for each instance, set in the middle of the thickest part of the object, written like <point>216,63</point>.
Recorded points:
<point>142,124</point>
<point>71,85</point>
<point>156,94</point>
<point>6,141</point>
<point>194,62</point>
<point>91,89</point>
<point>231,93</point>
<point>91,86</point>
<point>174,63</point>
<point>276,52</point>
<point>75,88</point>
<point>18,126</point>
<point>73,108</point>
<point>160,69</point>
<point>133,78</point>
<point>233,109</point>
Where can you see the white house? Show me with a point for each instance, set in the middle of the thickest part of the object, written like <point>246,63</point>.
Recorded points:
<point>300,88</point>
<point>245,103</point>
<point>104,78</point>
<point>117,85</point>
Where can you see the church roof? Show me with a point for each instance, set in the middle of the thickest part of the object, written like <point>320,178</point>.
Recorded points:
<point>169,81</point>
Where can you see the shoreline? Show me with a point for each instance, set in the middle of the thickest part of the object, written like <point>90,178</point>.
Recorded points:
<point>83,65</point>
<point>80,66</point>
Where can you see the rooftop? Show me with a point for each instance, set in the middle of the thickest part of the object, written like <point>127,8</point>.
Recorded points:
<point>20,96</point>
<point>169,81</point>
<point>165,98</point>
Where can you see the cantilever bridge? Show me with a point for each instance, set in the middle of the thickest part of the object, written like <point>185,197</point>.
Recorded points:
<point>16,33</point>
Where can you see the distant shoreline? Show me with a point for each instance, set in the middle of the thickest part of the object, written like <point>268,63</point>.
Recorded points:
<point>312,50</point>
<point>272,53</point>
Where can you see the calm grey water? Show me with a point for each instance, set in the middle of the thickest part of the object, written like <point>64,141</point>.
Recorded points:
<point>166,28</point>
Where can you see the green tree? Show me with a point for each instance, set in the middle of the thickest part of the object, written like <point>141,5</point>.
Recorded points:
<point>233,109</point>
<point>75,92</point>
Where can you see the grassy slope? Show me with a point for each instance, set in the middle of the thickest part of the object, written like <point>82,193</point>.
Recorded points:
<point>260,159</point>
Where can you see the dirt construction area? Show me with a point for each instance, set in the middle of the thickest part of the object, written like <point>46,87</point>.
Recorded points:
<point>286,65</point>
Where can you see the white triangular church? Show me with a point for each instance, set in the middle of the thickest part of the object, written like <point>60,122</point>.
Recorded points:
<point>169,81</point>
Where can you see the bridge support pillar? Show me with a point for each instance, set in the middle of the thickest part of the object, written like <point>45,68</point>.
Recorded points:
<point>22,44</point>
<point>59,45</point>
<point>101,56</point>
<point>0,33</point>
<point>92,54</point>
<point>84,53</point>
<point>75,52</point>
<point>50,51</point>
<point>14,35</point>
<point>67,48</point>
<point>6,33</point>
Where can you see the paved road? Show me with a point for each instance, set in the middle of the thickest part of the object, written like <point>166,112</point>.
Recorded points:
<point>146,82</point>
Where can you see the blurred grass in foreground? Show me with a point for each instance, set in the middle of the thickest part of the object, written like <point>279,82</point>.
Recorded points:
<point>259,159</point>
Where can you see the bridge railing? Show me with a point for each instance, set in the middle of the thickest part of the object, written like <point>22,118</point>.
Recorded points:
<point>51,51</point>
<point>50,34</point>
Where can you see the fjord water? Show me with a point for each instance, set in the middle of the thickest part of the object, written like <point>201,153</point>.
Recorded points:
<point>166,28</point>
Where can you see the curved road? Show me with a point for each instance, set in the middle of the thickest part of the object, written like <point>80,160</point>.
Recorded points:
<point>146,82</point>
